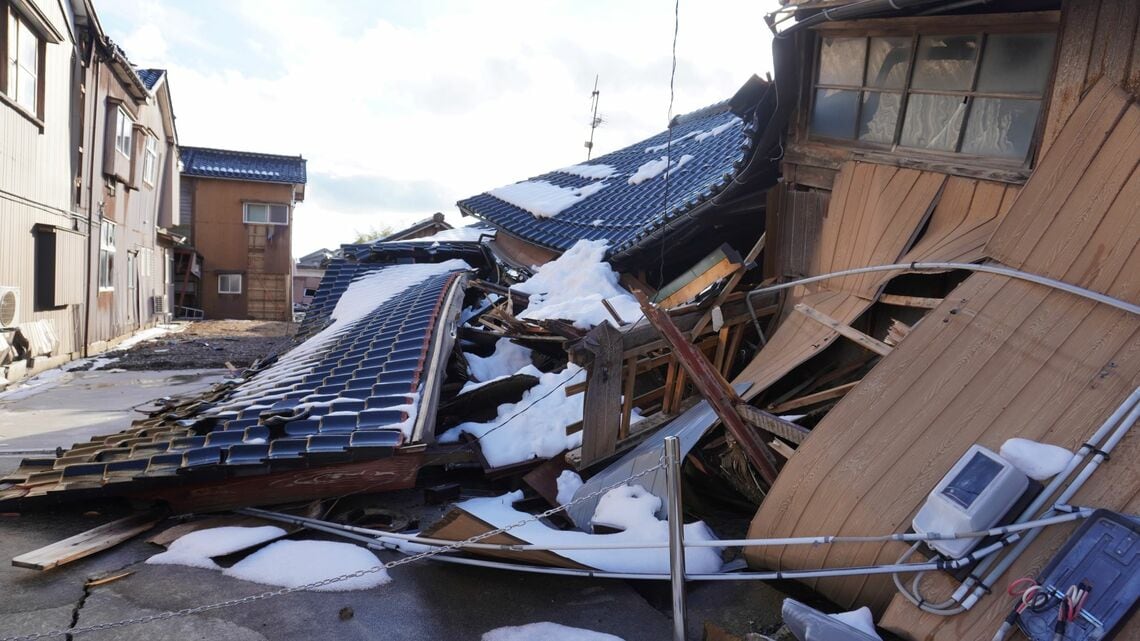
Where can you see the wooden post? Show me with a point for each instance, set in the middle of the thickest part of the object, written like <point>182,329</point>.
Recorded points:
<point>714,389</point>
<point>627,396</point>
<point>601,352</point>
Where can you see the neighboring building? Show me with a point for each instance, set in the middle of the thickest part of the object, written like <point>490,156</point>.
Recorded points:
<point>87,184</point>
<point>241,223</point>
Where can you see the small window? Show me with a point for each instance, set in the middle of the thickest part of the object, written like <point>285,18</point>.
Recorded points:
<point>123,132</point>
<point>310,292</point>
<point>106,255</point>
<point>23,63</point>
<point>150,160</point>
<point>266,214</point>
<point>229,283</point>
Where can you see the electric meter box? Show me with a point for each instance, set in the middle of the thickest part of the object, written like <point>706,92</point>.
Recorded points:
<point>974,495</point>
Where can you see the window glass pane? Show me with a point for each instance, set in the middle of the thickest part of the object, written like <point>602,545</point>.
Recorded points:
<point>1016,63</point>
<point>26,90</point>
<point>279,214</point>
<point>28,45</point>
<point>945,62</point>
<point>1001,127</point>
<point>887,62</point>
<point>879,115</point>
<point>833,113</point>
<point>933,122</point>
<point>841,61</point>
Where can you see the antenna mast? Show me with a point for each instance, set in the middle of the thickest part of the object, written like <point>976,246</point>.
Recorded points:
<point>594,120</point>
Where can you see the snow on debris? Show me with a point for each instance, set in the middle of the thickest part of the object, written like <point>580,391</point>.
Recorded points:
<point>595,172</point>
<point>860,619</point>
<point>196,549</point>
<point>291,564</point>
<point>573,286</point>
<point>718,130</point>
<point>507,359</point>
<point>1038,461</point>
<point>546,631</point>
<point>630,507</point>
<point>535,427</point>
<point>568,483</point>
<point>543,199</point>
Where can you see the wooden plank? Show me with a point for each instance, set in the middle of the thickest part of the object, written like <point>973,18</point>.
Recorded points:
<point>730,286</point>
<point>601,418</point>
<point>811,399</point>
<point>772,424</point>
<point>920,302</point>
<point>873,344</point>
<point>627,393</point>
<point>781,448</point>
<point>87,543</point>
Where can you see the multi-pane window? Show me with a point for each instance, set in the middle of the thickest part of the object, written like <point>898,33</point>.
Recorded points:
<point>150,159</point>
<point>229,283</point>
<point>23,62</point>
<point>972,93</point>
<point>123,132</point>
<point>107,255</point>
<point>266,214</point>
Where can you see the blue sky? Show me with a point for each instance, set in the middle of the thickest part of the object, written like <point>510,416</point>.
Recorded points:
<point>403,108</point>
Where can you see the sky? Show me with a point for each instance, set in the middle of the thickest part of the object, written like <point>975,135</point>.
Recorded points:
<point>403,108</point>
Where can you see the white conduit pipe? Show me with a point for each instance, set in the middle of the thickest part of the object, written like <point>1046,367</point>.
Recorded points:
<point>988,269</point>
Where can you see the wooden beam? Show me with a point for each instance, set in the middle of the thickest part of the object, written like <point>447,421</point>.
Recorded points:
<point>87,543</point>
<point>775,425</point>
<point>873,344</point>
<point>781,448</point>
<point>714,389</point>
<point>601,418</point>
<point>627,396</point>
<point>812,399</point>
<point>920,302</point>
<point>733,281</point>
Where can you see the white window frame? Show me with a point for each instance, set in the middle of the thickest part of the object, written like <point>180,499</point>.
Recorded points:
<point>19,32</point>
<point>150,160</point>
<point>262,213</point>
<point>230,290</point>
<point>106,248</point>
<point>124,132</point>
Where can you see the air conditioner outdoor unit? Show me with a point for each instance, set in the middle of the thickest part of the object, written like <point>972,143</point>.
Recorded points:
<point>9,306</point>
<point>158,302</point>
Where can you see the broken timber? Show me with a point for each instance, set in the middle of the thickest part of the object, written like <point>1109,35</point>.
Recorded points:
<point>873,344</point>
<point>772,424</point>
<point>87,543</point>
<point>733,281</point>
<point>601,352</point>
<point>714,389</point>
<point>812,399</point>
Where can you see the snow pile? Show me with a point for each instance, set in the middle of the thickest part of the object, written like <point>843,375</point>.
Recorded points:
<point>594,172</point>
<point>539,431</point>
<point>860,619</point>
<point>685,158</point>
<point>507,359</point>
<point>1038,461</point>
<point>648,170</point>
<point>568,483</point>
<point>196,548</point>
<point>290,564</point>
<point>630,507</point>
<point>543,199</point>
<point>546,631</point>
<point>718,130</point>
<point>573,286</point>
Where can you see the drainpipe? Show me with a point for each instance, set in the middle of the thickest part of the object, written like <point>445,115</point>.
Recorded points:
<point>94,93</point>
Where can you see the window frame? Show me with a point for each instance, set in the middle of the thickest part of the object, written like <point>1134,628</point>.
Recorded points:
<point>9,16</point>
<point>246,218</point>
<point>150,160</point>
<point>107,248</point>
<point>230,292</point>
<point>123,141</point>
<point>984,26</point>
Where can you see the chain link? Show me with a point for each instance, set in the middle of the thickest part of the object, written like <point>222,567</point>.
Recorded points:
<point>451,547</point>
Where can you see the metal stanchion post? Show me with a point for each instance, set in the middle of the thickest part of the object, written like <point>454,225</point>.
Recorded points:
<point>676,535</point>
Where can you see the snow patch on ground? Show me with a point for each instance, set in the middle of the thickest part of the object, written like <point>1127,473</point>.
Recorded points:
<point>546,631</point>
<point>290,564</point>
<point>543,199</point>
<point>539,431</point>
<point>1038,461</point>
<point>637,509</point>
<point>860,619</point>
<point>196,548</point>
<point>573,286</point>
<point>595,172</point>
<point>507,359</point>
<point>568,483</point>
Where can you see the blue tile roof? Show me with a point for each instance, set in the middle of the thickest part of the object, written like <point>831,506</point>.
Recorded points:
<point>242,165</point>
<point>626,214</point>
<point>150,77</point>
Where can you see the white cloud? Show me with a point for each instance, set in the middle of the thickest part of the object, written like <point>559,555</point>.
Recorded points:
<point>456,96</point>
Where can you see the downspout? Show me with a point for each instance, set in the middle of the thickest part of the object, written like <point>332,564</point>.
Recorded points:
<point>94,93</point>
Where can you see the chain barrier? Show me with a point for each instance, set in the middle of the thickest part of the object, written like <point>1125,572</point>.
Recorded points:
<point>451,547</point>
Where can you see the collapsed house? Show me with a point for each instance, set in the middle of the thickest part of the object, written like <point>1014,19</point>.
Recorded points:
<point>970,171</point>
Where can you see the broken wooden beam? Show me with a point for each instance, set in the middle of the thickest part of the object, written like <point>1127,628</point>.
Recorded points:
<point>873,344</point>
<point>87,543</point>
<point>714,389</point>
<point>733,281</point>
<point>812,399</point>
<point>772,424</point>
<point>920,302</point>
<point>601,352</point>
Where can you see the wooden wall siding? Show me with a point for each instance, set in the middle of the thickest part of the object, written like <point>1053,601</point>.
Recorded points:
<point>967,213</point>
<point>1100,39</point>
<point>794,220</point>
<point>875,213</point>
<point>998,358</point>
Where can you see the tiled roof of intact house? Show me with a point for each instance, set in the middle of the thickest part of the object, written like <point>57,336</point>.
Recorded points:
<point>242,165</point>
<point>621,196</point>
<point>150,77</point>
